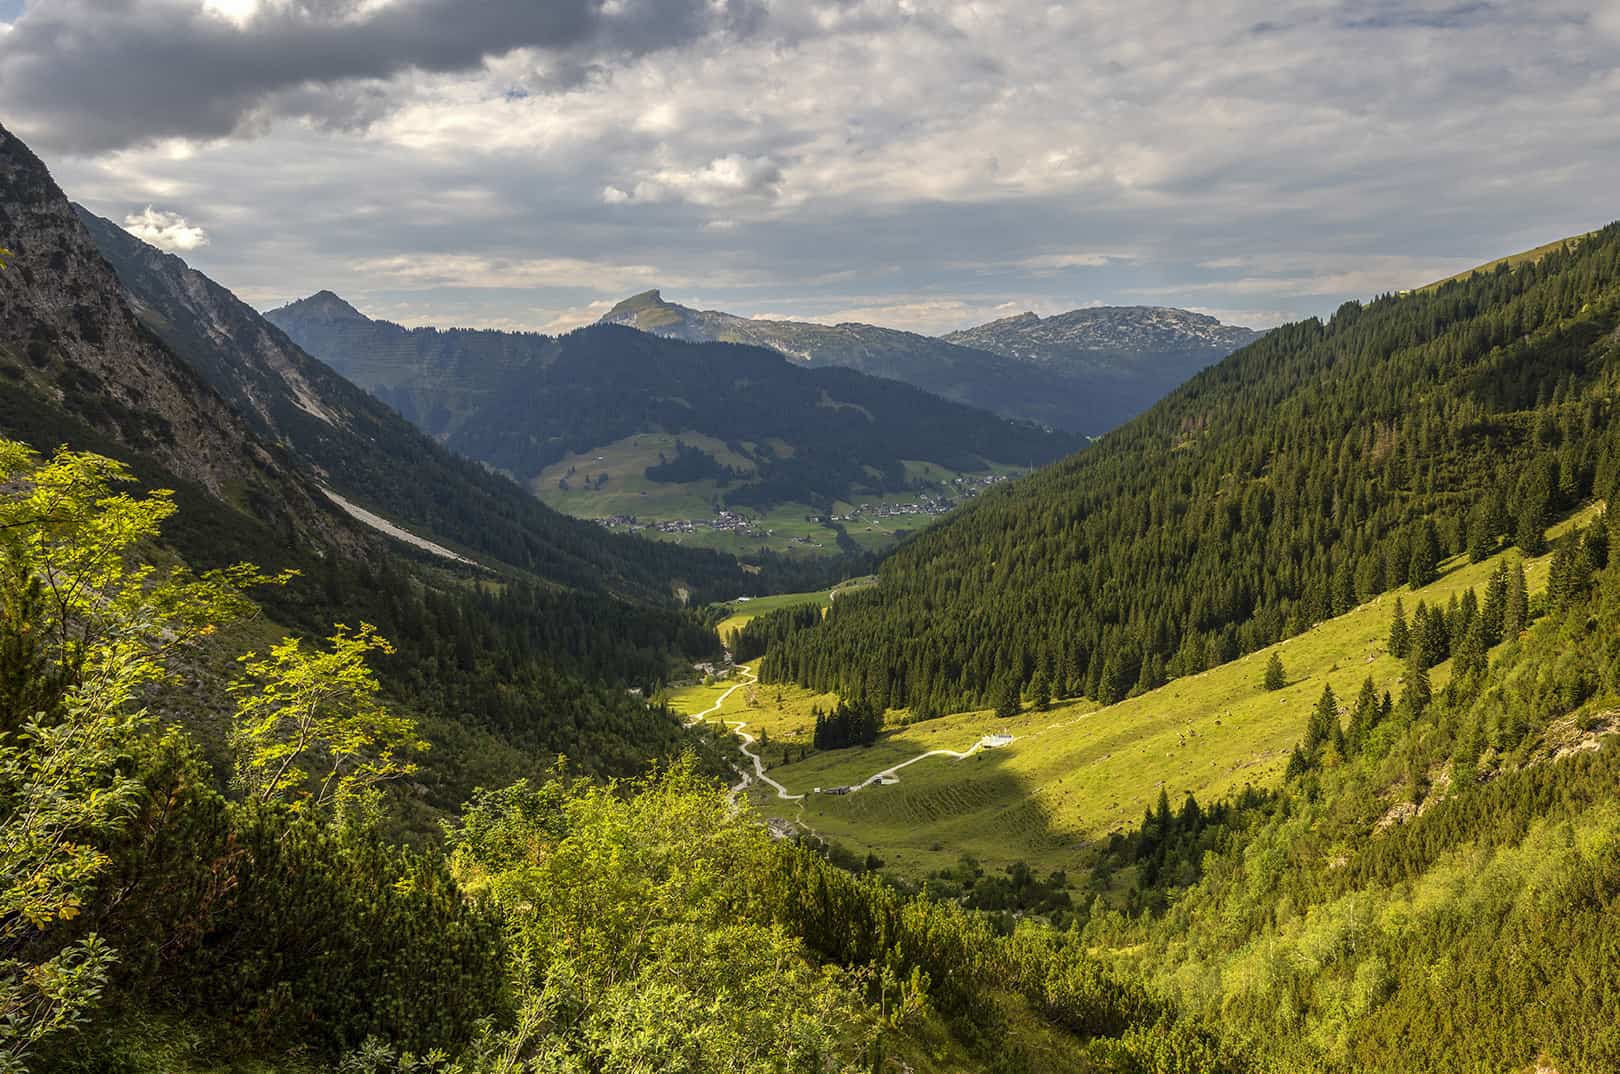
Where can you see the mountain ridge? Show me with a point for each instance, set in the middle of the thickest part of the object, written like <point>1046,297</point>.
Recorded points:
<point>984,366</point>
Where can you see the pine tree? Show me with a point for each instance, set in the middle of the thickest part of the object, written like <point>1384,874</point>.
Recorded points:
<point>1531,533</point>
<point>1418,692</point>
<point>1425,566</point>
<point>1494,612</point>
<point>1276,678</point>
<point>1324,718</point>
<point>1400,638</point>
<point>1040,691</point>
<point>1363,718</point>
<point>1008,700</point>
<point>1564,577</point>
<point>1516,614</point>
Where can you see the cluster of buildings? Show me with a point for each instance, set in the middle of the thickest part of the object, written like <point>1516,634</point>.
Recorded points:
<point>965,487</point>
<point>722,522</point>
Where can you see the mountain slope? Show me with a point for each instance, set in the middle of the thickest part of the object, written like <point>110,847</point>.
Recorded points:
<point>1322,465</point>
<point>664,429</point>
<point>371,456</point>
<point>74,359</point>
<point>1127,359</point>
<point>962,374</point>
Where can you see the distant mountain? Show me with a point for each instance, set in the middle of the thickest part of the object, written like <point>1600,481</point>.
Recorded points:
<point>374,459</point>
<point>758,430</point>
<point>963,374</point>
<point>1084,371</point>
<point>1110,339</point>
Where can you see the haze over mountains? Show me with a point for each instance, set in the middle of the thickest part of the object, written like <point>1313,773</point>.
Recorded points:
<point>593,420</point>
<point>1085,371</point>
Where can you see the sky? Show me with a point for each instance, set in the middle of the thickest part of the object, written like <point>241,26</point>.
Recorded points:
<point>927,166</point>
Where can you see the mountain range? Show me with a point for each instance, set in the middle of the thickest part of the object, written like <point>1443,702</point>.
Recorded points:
<point>614,422</point>
<point>1085,371</point>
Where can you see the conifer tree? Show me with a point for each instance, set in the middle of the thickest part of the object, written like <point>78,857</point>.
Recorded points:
<point>1324,718</point>
<point>1008,700</point>
<point>1494,611</point>
<point>1040,691</point>
<point>1516,615</point>
<point>1400,638</point>
<point>1275,678</point>
<point>1425,566</point>
<point>1363,717</point>
<point>1531,533</point>
<point>1418,692</point>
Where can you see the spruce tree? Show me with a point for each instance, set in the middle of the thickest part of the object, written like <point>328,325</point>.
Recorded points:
<point>1425,566</point>
<point>1040,691</point>
<point>1276,678</point>
<point>1008,700</point>
<point>1400,638</point>
<point>1516,615</point>
<point>1324,718</point>
<point>1494,611</point>
<point>1531,533</point>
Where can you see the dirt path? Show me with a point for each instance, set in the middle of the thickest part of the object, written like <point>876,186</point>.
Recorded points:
<point>782,792</point>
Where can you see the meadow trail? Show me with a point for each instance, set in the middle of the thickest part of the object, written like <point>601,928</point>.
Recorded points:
<point>782,792</point>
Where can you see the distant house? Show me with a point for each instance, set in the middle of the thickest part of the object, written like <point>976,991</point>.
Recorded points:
<point>991,742</point>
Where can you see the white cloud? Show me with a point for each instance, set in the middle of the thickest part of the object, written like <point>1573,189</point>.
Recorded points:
<point>725,180</point>
<point>917,163</point>
<point>166,231</point>
<point>475,270</point>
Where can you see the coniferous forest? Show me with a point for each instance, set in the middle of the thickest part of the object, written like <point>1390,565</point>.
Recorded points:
<point>1321,466</point>
<point>1276,731</point>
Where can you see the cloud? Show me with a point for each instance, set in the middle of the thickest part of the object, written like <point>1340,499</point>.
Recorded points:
<point>724,180</point>
<point>166,231</point>
<point>94,75</point>
<point>920,163</point>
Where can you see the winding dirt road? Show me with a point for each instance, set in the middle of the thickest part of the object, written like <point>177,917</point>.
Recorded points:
<point>782,792</point>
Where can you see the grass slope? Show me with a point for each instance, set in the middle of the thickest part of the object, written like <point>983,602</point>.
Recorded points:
<point>1078,772</point>
<point>1512,260</point>
<point>610,481</point>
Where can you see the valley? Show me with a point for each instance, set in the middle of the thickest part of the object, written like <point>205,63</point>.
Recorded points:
<point>1079,772</point>
<point>609,484</point>
<point>985,657</point>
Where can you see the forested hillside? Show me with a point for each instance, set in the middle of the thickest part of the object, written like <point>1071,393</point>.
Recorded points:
<point>1450,851</point>
<point>522,401</point>
<point>360,448</point>
<point>519,659</point>
<point>155,917</point>
<point>1321,465</point>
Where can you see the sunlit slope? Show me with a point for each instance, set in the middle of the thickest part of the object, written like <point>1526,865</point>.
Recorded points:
<point>1512,260</point>
<point>1077,772</point>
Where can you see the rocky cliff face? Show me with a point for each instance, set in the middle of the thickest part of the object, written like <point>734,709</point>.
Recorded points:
<point>69,339</point>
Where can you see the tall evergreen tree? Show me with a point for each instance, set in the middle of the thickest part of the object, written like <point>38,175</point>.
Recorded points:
<point>1425,567</point>
<point>1275,678</point>
<point>1324,719</point>
<point>1516,614</point>
<point>1400,637</point>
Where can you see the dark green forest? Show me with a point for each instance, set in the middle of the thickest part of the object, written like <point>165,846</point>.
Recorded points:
<point>844,430</point>
<point>1320,466</point>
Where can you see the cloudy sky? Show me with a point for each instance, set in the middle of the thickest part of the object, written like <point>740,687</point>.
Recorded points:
<point>525,163</point>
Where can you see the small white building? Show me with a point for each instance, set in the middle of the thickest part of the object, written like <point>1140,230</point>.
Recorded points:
<point>992,742</point>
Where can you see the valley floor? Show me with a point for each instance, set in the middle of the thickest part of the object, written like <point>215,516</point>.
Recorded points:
<point>1074,774</point>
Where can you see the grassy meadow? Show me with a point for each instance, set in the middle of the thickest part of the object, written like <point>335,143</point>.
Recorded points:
<point>1077,772</point>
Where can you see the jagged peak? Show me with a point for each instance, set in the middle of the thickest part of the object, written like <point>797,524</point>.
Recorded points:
<point>635,304</point>
<point>323,303</point>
